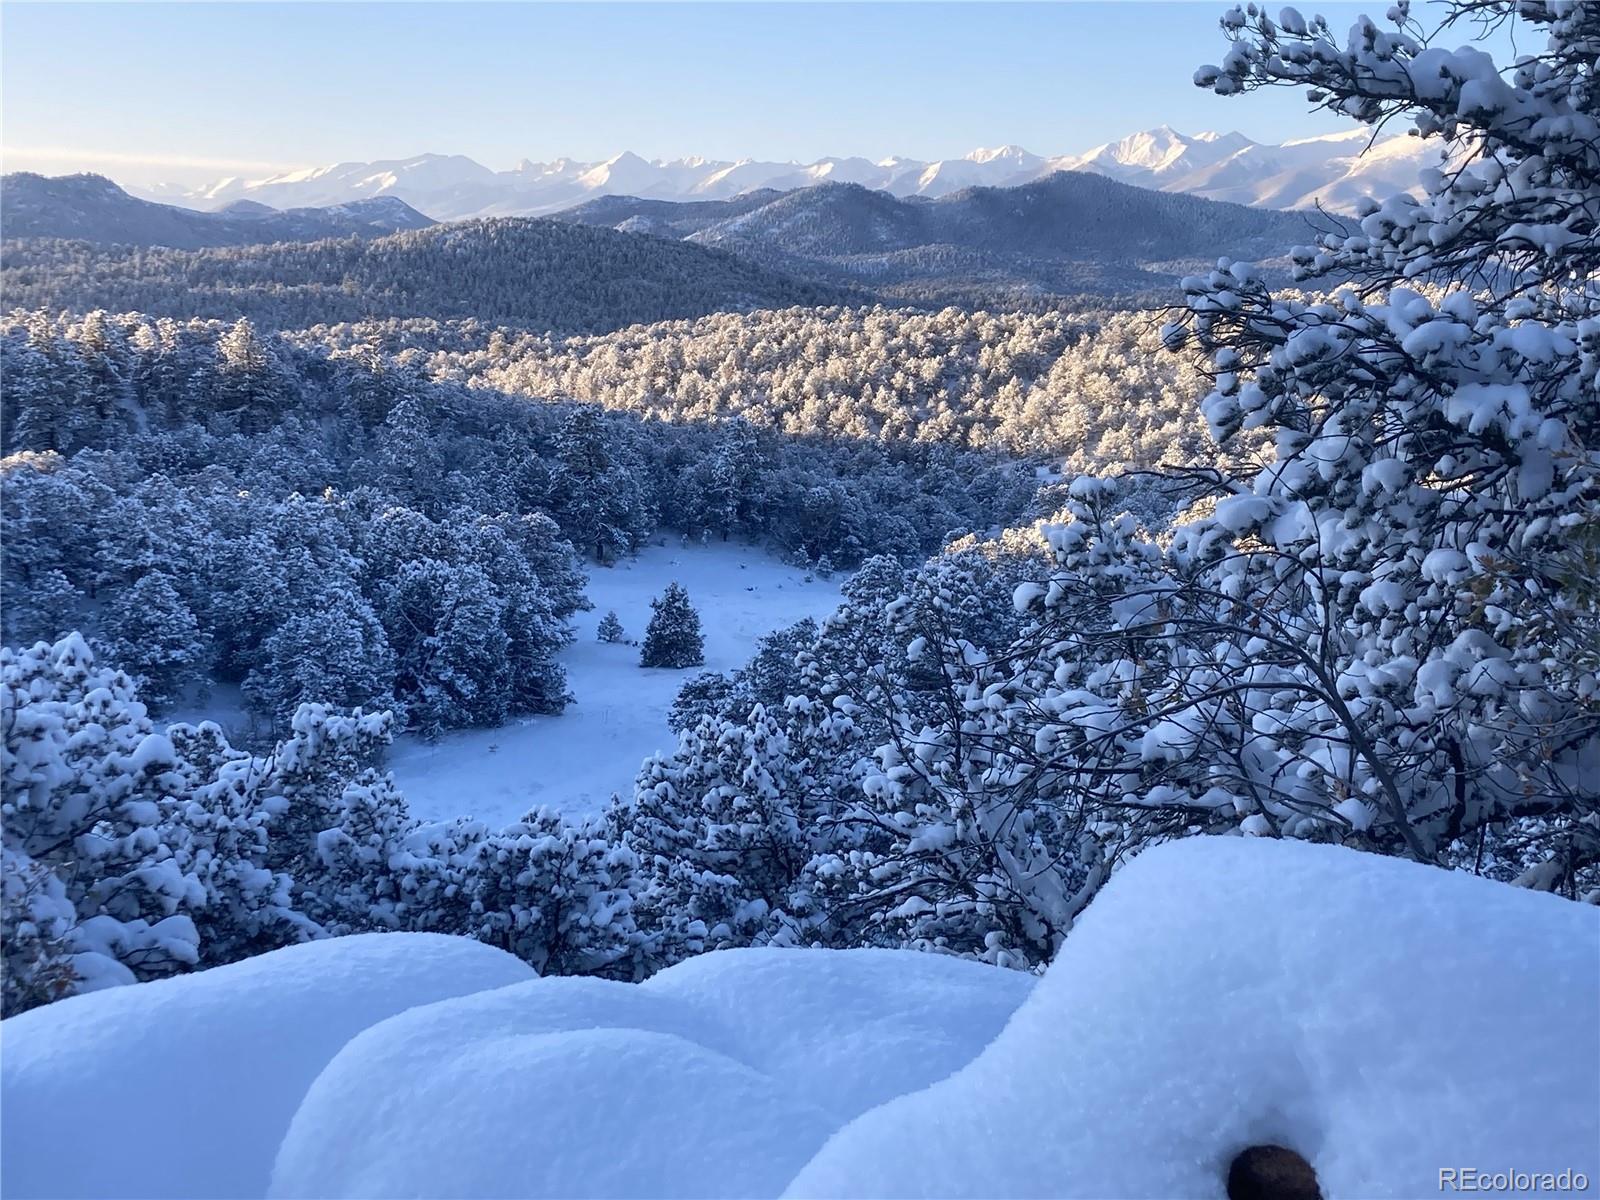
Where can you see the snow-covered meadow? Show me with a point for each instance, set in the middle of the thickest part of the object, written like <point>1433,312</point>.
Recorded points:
<point>1222,993</point>
<point>575,761</point>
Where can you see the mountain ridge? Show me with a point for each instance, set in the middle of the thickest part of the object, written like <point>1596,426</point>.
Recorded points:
<point>91,208</point>
<point>1066,234</point>
<point>1328,169</point>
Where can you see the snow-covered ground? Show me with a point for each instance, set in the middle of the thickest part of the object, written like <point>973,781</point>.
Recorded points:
<point>195,1079</point>
<point>574,762</point>
<point>1385,1020</point>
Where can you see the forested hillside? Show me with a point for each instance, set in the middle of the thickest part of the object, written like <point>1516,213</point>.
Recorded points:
<point>1090,388</point>
<point>535,274</point>
<point>619,261</point>
<point>663,218</point>
<point>1069,234</point>
<point>220,505</point>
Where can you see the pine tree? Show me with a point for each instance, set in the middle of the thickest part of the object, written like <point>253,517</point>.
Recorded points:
<point>101,405</point>
<point>155,636</point>
<point>29,419</point>
<point>600,504</point>
<point>557,895</point>
<point>610,628</point>
<point>250,385</point>
<point>673,638</point>
<point>452,661</point>
<point>44,386</point>
<point>44,607</point>
<point>98,884</point>
<point>407,456</point>
<point>333,651</point>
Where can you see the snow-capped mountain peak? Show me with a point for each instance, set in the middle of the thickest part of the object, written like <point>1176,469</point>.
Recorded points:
<point>624,173</point>
<point>1157,150</point>
<point>1015,154</point>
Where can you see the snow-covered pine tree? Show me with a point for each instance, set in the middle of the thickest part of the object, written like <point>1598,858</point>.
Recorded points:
<point>100,885</point>
<point>406,458</point>
<point>600,502</point>
<point>250,385</point>
<point>1395,569</point>
<point>558,895</point>
<point>443,622</point>
<point>725,828</point>
<point>673,637</point>
<point>334,651</point>
<point>773,674</point>
<point>610,628</point>
<point>538,583</point>
<point>29,420</point>
<point>43,607</point>
<point>154,635</point>
<point>56,418</point>
<point>103,403</point>
<point>955,842</point>
<point>705,695</point>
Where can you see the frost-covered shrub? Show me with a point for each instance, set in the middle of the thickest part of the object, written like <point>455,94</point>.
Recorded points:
<point>131,853</point>
<point>37,922</point>
<point>557,895</point>
<point>723,828</point>
<point>101,882</point>
<point>1398,575</point>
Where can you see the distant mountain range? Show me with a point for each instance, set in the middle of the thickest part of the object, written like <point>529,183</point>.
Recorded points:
<point>620,259</point>
<point>1335,170</point>
<point>93,209</point>
<point>1068,233</point>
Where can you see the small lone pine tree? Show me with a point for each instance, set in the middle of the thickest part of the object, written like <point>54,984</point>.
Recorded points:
<point>673,638</point>
<point>610,628</point>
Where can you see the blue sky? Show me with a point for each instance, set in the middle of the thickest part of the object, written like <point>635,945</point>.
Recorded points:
<point>189,92</point>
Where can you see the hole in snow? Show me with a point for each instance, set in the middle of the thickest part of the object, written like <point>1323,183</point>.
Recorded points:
<point>1271,1173</point>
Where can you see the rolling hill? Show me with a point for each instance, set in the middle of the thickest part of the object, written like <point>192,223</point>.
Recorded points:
<point>535,274</point>
<point>1072,232</point>
<point>91,208</point>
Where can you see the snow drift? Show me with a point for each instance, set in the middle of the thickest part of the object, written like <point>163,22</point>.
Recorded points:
<point>184,1086</point>
<point>1382,1018</point>
<point>1385,1020</point>
<point>718,1077</point>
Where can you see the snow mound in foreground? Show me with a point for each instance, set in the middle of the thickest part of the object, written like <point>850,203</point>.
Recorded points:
<point>1384,1019</point>
<point>718,1077</point>
<point>185,1086</point>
